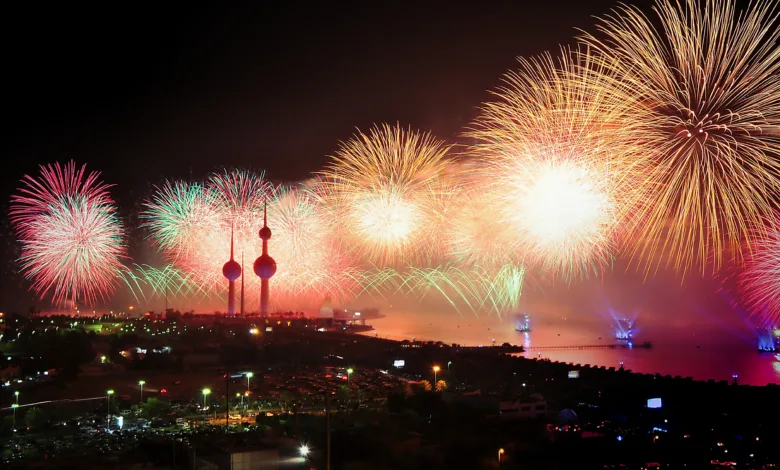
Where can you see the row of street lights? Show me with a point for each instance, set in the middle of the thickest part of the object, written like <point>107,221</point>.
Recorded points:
<point>109,392</point>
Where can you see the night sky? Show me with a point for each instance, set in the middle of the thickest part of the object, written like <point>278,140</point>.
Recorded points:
<point>144,93</point>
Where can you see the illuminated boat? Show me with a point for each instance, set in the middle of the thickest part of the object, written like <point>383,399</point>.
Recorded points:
<point>522,323</point>
<point>625,329</point>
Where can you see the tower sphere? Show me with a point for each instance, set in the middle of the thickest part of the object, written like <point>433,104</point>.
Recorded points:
<point>231,270</point>
<point>265,266</point>
<point>265,233</point>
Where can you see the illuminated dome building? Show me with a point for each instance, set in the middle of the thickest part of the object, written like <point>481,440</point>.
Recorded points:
<point>232,271</point>
<point>265,266</point>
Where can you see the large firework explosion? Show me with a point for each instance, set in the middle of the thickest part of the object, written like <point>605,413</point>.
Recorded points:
<point>702,95</point>
<point>72,240</point>
<point>313,263</point>
<point>386,184</point>
<point>475,236</point>
<point>550,157</point>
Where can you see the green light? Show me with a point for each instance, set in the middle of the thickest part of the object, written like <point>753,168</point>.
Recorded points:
<point>109,392</point>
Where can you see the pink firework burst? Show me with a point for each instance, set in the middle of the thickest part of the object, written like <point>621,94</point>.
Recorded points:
<point>72,239</point>
<point>759,283</point>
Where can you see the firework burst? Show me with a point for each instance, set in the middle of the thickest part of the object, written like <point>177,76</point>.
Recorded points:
<point>475,236</point>
<point>72,239</point>
<point>550,155</point>
<point>179,216</point>
<point>759,282</point>
<point>702,93</point>
<point>312,262</point>
<point>385,183</point>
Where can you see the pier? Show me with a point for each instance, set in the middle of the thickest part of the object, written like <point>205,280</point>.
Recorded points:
<point>645,345</point>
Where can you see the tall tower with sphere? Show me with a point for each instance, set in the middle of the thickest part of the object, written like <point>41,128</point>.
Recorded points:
<point>232,271</point>
<point>265,266</point>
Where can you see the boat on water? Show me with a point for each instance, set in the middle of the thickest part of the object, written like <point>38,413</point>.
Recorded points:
<point>625,329</point>
<point>768,341</point>
<point>522,323</point>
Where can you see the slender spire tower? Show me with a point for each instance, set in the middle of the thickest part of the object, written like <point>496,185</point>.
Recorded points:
<point>242,282</point>
<point>265,266</point>
<point>232,271</point>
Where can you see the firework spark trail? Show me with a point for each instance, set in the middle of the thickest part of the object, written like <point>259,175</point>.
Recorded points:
<point>72,239</point>
<point>166,282</point>
<point>551,150</point>
<point>478,289</point>
<point>386,182</point>
<point>703,95</point>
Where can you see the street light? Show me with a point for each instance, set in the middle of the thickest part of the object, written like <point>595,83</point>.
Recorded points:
<point>15,406</point>
<point>500,453</point>
<point>102,359</point>
<point>436,370</point>
<point>303,451</point>
<point>449,363</point>
<point>349,374</point>
<point>141,384</point>
<point>205,393</point>
<point>249,375</point>
<point>108,408</point>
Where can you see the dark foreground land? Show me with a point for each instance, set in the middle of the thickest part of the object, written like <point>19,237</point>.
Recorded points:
<point>484,408</point>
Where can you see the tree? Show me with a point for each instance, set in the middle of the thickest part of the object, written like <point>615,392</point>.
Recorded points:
<point>154,408</point>
<point>285,398</point>
<point>426,386</point>
<point>35,419</point>
<point>7,424</point>
<point>441,386</point>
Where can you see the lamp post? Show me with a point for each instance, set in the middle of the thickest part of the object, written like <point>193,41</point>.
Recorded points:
<point>249,375</point>
<point>349,375</point>
<point>436,370</point>
<point>205,392</point>
<point>108,408</point>
<point>500,453</point>
<point>15,406</point>
<point>141,384</point>
<point>449,363</point>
